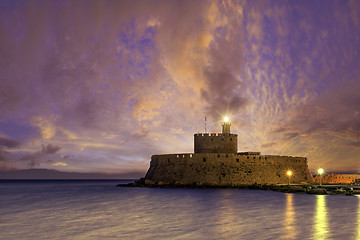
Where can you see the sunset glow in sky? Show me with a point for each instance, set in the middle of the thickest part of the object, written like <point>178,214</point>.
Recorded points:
<point>100,86</point>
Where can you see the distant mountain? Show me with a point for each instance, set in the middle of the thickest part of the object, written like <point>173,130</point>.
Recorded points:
<point>54,174</point>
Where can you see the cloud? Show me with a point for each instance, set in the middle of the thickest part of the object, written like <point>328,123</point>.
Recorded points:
<point>47,129</point>
<point>10,143</point>
<point>49,149</point>
<point>35,159</point>
<point>268,145</point>
<point>62,164</point>
<point>2,158</point>
<point>335,112</point>
<point>104,79</point>
<point>332,119</point>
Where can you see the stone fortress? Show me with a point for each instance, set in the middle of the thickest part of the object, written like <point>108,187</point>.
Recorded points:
<point>216,162</point>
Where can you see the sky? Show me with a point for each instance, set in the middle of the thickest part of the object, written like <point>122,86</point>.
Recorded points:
<point>100,86</point>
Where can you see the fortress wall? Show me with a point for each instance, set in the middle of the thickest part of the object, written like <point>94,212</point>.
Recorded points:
<point>215,143</point>
<point>334,178</point>
<point>226,169</point>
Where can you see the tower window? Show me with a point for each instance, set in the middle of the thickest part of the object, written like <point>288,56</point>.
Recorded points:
<point>237,160</point>
<point>204,159</point>
<point>218,155</point>
<point>230,139</point>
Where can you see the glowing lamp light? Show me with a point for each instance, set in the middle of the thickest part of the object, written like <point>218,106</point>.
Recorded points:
<point>289,173</point>
<point>320,171</point>
<point>226,119</point>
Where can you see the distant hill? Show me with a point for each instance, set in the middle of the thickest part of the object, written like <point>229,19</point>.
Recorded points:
<point>54,174</point>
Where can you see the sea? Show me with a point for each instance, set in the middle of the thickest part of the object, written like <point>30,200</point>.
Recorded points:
<point>97,209</point>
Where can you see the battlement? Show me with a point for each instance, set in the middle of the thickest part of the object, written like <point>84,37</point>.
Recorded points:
<point>213,134</point>
<point>224,142</point>
<point>215,143</point>
<point>248,153</point>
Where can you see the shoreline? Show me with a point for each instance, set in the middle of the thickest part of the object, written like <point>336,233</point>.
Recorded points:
<point>325,189</point>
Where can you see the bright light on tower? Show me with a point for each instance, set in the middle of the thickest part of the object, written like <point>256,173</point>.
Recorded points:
<point>289,173</point>
<point>320,171</point>
<point>226,119</point>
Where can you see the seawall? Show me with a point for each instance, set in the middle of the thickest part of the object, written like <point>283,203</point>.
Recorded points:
<point>220,169</point>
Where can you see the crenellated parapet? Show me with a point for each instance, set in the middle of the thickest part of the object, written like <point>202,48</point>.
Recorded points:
<point>224,142</point>
<point>215,143</point>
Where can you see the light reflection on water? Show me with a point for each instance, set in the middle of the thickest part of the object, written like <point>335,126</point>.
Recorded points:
<point>320,220</point>
<point>98,210</point>
<point>358,219</point>
<point>289,220</point>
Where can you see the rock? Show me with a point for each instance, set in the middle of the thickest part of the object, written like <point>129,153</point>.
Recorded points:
<point>149,182</point>
<point>140,181</point>
<point>317,191</point>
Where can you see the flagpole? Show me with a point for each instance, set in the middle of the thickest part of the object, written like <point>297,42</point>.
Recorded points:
<point>205,124</point>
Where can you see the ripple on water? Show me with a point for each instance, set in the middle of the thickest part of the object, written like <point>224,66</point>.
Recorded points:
<point>98,209</point>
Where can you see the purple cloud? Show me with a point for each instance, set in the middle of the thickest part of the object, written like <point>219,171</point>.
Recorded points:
<point>114,82</point>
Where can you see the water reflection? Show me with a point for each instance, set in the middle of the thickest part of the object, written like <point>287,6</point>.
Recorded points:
<point>358,219</point>
<point>289,221</point>
<point>320,220</point>
<point>228,221</point>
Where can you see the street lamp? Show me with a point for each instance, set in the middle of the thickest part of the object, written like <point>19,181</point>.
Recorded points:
<point>289,173</point>
<point>320,171</point>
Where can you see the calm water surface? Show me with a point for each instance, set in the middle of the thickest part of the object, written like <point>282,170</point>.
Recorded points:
<point>99,210</point>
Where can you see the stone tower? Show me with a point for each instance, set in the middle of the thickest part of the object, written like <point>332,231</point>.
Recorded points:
<point>224,142</point>
<point>226,126</point>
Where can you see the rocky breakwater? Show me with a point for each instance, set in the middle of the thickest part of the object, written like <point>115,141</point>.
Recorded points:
<point>331,189</point>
